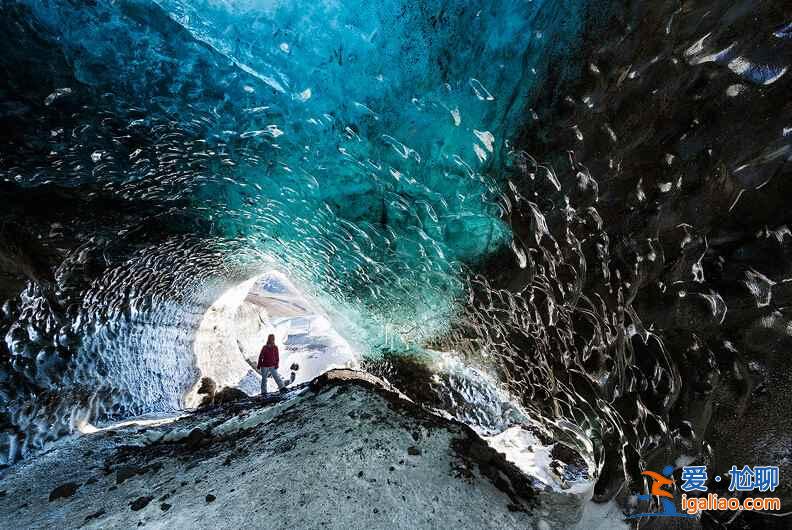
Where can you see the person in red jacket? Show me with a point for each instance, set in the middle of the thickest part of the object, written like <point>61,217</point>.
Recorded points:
<point>268,362</point>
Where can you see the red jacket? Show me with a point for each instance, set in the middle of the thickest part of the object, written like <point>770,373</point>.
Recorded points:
<point>268,358</point>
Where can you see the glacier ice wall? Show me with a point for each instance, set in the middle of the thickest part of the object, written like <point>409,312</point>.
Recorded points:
<point>187,146</point>
<point>586,201</point>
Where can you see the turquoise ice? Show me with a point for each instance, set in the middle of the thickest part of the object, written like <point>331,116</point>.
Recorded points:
<point>359,146</point>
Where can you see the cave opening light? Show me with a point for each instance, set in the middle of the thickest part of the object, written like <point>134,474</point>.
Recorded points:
<point>236,325</point>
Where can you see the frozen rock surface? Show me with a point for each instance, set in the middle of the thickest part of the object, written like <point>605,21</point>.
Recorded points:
<point>344,451</point>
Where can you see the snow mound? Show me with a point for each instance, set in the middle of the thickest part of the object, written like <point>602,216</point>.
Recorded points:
<point>342,452</point>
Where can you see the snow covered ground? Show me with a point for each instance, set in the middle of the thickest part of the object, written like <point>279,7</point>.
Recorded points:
<point>342,452</point>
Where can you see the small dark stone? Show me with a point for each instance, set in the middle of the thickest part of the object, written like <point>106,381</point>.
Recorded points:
<point>140,503</point>
<point>195,439</point>
<point>94,515</point>
<point>208,386</point>
<point>360,474</point>
<point>124,473</point>
<point>210,498</point>
<point>63,491</point>
<point>165,506</point>
<point>229,395</point>
<point>392,468</point>
<point>568,455</point>
<point>413,451</point>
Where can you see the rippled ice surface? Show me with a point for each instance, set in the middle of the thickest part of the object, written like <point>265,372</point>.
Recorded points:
<point>562,207</point>
<point>361,150</point>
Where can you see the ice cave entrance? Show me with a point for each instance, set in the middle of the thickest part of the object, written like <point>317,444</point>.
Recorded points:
<point>236,325</point>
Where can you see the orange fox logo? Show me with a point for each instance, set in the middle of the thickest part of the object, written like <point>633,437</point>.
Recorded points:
<point>659,482</point>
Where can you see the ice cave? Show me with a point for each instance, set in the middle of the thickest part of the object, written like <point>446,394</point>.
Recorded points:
<point>524,264</point>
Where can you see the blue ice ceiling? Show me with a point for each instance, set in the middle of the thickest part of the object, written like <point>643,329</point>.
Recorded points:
<point>360,146</point>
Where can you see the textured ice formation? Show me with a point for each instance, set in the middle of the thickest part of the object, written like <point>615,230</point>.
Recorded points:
<point>583,205</point>
<point>360,150</point>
